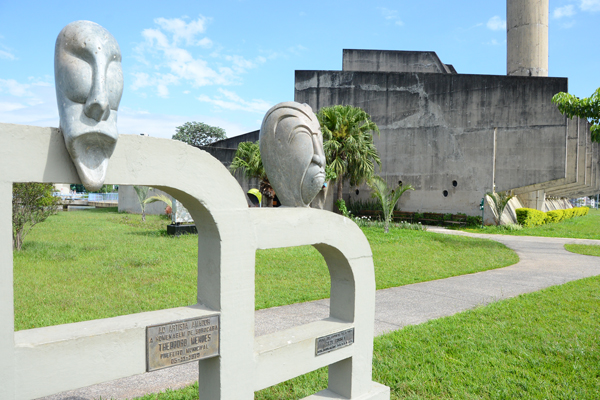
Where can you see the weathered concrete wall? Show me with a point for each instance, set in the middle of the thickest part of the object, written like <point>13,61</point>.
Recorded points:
<point>527,37</point>
<point>394,61</point>
<point>588,180</point>
<point>453,137</point>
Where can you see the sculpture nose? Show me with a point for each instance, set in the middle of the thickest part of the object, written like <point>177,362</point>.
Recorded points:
<point>319,160</point>
<point>318,156</point>
<point>97,106</point>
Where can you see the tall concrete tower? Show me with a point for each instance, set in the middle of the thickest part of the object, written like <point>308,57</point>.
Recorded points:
<point>527,37</point>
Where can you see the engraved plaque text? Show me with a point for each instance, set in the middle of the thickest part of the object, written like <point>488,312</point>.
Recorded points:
<point>181,342</point>
<point>326,344</point>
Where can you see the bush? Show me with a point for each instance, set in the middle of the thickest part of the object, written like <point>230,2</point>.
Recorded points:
<point>568,213</point>
<point>474,220</point>
<point>356,206</point>
<point>511,227</point>
<point>554,216</point>
<point>529,217</point>
<point>32,203</point>
<point>581,211</point>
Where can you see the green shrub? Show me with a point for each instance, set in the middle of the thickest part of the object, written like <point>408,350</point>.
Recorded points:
<point>581,211</point>
<point>356,206</point>
<point>529,217</point>
<point>474,220</point>
<point>568,213</point>
<point>554,216</point>
<point>511,227</point>
<point>341,205</point>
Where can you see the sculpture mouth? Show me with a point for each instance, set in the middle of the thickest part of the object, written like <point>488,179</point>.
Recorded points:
<point>90,154</point>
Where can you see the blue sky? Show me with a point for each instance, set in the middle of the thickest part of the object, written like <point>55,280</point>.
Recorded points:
<point>226,62</point>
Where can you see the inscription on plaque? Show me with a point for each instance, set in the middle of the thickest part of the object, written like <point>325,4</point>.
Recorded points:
<point>181,342</point>
<point>329,343</point>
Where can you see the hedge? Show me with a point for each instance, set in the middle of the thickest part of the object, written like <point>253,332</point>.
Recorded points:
<point>554,216</point>
<point>529,217</point>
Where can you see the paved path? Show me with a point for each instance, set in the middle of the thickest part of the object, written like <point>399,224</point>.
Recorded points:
<point>543,262</point>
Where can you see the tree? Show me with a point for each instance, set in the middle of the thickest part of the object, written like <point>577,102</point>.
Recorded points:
<point>32,203</point>
<point>388,197</point>
<point>499,203</point>
<point>247,159</point>
<point>348,144</point>
<point>198,134</point>
<point>589,107</point>
<point>142,194</point>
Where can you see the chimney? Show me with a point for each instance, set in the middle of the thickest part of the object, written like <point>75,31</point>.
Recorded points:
<point>527,37</point>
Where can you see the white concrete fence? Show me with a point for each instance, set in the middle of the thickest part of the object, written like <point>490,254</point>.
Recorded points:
<point>44,361</point>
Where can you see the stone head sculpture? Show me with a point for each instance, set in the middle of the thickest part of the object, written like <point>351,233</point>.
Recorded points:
<point>291,147</point>
<point>89,85</point>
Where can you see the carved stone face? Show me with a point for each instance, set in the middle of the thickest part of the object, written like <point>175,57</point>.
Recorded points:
<point>89,85</point>
<point>291,147</point>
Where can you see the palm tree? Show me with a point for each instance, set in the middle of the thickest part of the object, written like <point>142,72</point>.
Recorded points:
<point>499,203</point>
<point>348,143</point>
<point>247,159</point>
<point>388,197</point>
<point>142,194</point>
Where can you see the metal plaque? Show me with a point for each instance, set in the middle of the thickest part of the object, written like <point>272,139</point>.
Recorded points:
<point>181,342</point>
<point>329,343</point>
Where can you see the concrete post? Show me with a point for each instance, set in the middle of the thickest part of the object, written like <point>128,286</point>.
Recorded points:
<point>7,316</point>
<point>527,37</point>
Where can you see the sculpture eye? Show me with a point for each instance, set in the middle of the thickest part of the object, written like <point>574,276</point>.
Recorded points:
<point>75,78</point>
<point>114,84</point>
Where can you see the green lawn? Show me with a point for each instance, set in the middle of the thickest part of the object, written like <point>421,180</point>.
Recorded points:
<point>542,345</point>
<point>587,227</point>
<point>85,265</point>
<point>585,249</point>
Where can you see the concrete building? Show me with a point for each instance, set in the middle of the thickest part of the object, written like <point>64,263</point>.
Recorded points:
<point>455,137</point>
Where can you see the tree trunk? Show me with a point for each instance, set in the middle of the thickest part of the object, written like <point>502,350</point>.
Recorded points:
<point>268,201</point>
<point>340,188</point>
<point>18,241</point>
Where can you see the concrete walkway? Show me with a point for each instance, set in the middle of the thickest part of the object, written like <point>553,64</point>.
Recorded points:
<point>543,262</point>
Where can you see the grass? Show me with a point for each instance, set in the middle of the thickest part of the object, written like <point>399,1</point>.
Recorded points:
<point>585,249</point>
<point>542,345</point>
<point>85,265</point>
<point>587,227</point>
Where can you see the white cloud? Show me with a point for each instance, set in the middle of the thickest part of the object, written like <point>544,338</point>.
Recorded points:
<point>182,30</point>
<point>391,15</point>
<point>31,103</point>
<point>229,100</point>
<point>590,5</point>
<point>565,11</point>
<point>496,23</point>
<point>14,88</point>
<point>171,55</point>
<point>7,56</point>
<point>6,52</point>
<point>7,107</point>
